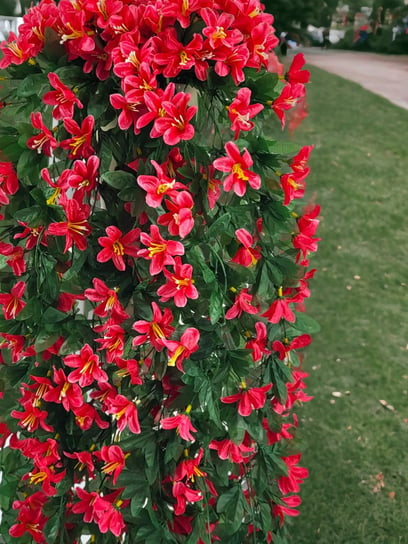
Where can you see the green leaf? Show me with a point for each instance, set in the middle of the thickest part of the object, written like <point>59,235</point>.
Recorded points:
<point>52,315</point>
<point>220,226</point>
<point>216,309</point>
<point>118,179</point>
<point>284,148</point>
<point>32,85</point>
<point>306,324</point>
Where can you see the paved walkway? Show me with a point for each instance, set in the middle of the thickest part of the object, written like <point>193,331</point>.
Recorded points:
<point>386,75</point>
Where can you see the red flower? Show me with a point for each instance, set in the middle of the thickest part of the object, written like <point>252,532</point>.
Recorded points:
<point>88,367</point>
<point>227,449</point>
<point>160,251</point>
<point>158,186</point>
<point>179,220</point>
<point>182,424</point>
<point>299,161</point>
<point>258,344</point>
<point>30,521</point>
<point>8,182</point>
<point>242,304</point>
<point>43,142</point>
<point>182,350</point>
<point>86,415</point>
<point>296,475</point>
<point>154,331</point>
<point>32,418</point>
<point>248,399</point>
<point>15,259</point>
<point>246,255</point>
<point>174,125</point>
<point>112,341</point>
<point>237,167</point>
<point>288,508</point>
<point>65,393</point>
<point>295,74</point>
<point>184,494</point>
<point>293,186</point>
<point>279,309</point>
<point>240,112</point>
<point>176,56</point>
<point>12,303</point>
<point>108,298</point>
<point>76,228</point>
<point>116,245</point>
<point>307,224</point>
<point>84,460</point>
<point>16,50</point>
<point>80,145</point>
<point>179,285</point>
<point>125,413</point>
<point>284,348</point>
<point>90,504</point>
<point>34,235</point>
<point>289,97</point>
<point>82,177</point>
<point>114,461</point>
<point>62,98</point>
<point>218,29</point>
<point>45,476</point>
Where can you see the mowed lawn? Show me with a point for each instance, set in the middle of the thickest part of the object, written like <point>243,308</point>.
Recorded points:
<point>355,431</point>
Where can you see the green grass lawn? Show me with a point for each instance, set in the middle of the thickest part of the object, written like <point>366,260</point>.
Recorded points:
<point>355,448</point>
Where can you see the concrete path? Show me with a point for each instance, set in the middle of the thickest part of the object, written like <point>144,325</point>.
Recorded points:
<point>385,75</point>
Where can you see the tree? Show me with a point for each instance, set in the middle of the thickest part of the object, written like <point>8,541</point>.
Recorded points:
<point>301,12</point>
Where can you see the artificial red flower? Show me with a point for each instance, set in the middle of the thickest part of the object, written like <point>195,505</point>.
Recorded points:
<point>8,182</point>
<point>153,101</point>
<point>289,97</point>
<point>86,415</point>
<point>295,74</point>
<point>218,29</point>
<point>182,424</point>
<point>258,344</point>
<point>179,220</point>
<point>114,461</point>
<point>15,343</point>
<point>12,303</point>
<point>237,166</point>
<point>16,50</point>
<point>132,108</point>
<point>45,475</point>
<point>293,186</point>
<point>232,61</point>
<point>184,494</point>
<point>76,229</point>
<point>240,112</point>
<point>299,161</point>
<point>15,258</point>
<point>125,413</point>
<point>176,56</point>
<point>158,186</point>
<point>116,245</point>
<point>131,368</point>
<point>87,365</point>
<point>179,285</point>
<point>82,177</point>
<point>90,504</point>
<point>296,475</point>
<point>288,507</point>
<point>43,142</point>
<point>280,309</point>
<point>62,98</point>
<point>227,449</point>
<point>33,235</point>
<point>154,331</point>
<point>84,460</point>
<point>80,145</point>
<point>241,304</point>
<point>108,298</point>
<point>32,418</point>
<point>246,255</point>
<point>30,521</point>
<point>175,124</point>
<point>112,341</point>
<point>66,393</point>
<point>248,399</point>
<point>159,251</point>
<point>182,350</point>
<point>283,348</point>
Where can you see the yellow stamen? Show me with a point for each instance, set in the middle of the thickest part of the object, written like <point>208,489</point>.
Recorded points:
<point>184,58</point>
<point>118,248</point>
<point>189,408</point>
<point>219,34</point>
<point>238,171</point>
<point>155,248</point>
<point>176,355</point>
<point>280,292</point>
<point>157,331</point>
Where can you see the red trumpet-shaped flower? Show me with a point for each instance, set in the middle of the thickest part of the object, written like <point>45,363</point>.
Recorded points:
<point>175,124</point>
<point>248,399</point>
<point>237,166</point>
<point>179,285</point>
<point>295,74</point>
<point>246,255</point>
<point>182,350</point>
<point>227,449</point>
<point>8,182</point>
<point>66,393</point>
<point>242,304</point>
<point>62,98</point>
<point>108,298</point>
<point>240,111</point>
<point>76,229</point>
<point>283,348</point>
<point>156,330</point>
<point>182,424</point>
<point>159,251</point>
<point>290,95</point>
<point>280,309</point>
<point>80,145</point>
<point>184,494</point>
<point>43,142</point>
<point>88,367</point>
<point>114,461</point>
<point>125,413</point>
<point>116,245</point>
<point>258,345</point>
<point>158,186</point>
<point>12,303</point>
<point>179,220</point>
